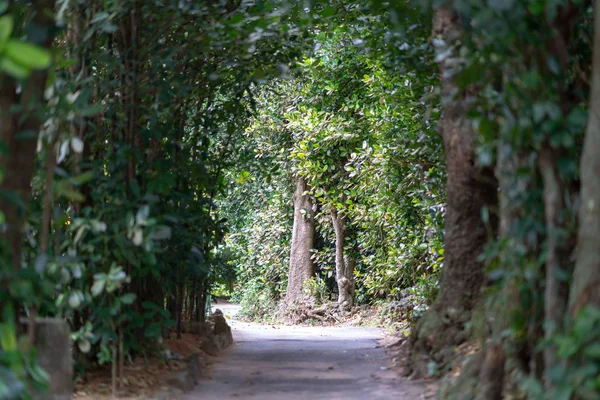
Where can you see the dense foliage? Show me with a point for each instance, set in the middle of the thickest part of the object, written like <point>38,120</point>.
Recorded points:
<point>341,122</point>
<point>149,153</point>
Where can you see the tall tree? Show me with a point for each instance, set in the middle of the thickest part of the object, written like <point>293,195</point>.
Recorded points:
<point>19,129</point>
<point>345,262</point>
<point>469,189</point>
<point>585,283</point>
<point>302,266</point>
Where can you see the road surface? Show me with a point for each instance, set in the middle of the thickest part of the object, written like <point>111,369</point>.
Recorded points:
<point>303,363</point>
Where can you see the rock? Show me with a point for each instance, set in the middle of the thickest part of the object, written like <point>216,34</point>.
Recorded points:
<point>185,326</point>
<point>200,328</point>
<point>222,331</point>
<point>189,377</point>
<point>217,313</point>
<point>53,346</point>
<point>210,345</point>
<point>166,332</point>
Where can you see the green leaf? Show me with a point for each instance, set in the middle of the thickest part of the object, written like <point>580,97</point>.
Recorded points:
<point>38,374</point>
<point>8,337</point>
<point>98,287</point>
<point>82,178</point>
<point>13,69</point>
<point>101,16</point>
<point>153,331</point>
<point>6,28</point>
<point>592,351</point>
<point>27,55</point>
<point>128,298</point>
<point>328,11</point>
<point>84,345</point>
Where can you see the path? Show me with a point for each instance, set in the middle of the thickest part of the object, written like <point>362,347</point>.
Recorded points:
<point>303,363</point>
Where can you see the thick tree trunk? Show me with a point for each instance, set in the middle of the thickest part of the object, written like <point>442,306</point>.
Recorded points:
<point>303,234</point>
<point>344,263</point>
<point>469,189</point>
<point>519,248</point>
<point>585,284</point>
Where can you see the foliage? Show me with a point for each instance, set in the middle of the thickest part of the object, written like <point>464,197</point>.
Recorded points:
<point>341,122</point>
<point>158,160</point>
<point>576,375</point>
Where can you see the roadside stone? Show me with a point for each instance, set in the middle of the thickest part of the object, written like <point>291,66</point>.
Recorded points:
<point>210,345</point>
<point>222,330</point>
<point>185,326</point>
<point>53,346</point>
<point>200,328</point>
<point>189,377</point>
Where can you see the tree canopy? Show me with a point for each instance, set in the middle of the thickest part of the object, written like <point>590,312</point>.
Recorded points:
<point>297,155</point>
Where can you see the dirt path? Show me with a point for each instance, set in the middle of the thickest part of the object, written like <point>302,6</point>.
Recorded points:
<point>308,363</point>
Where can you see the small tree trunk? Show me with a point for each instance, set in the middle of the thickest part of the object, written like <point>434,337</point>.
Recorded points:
<point>557,251</point>
<point>344,264</point>
<point>203,300</point>
<point>179,308</point>
<point>303,233</point>
<point>585,284</point>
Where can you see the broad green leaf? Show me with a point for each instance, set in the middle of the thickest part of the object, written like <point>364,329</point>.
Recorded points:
<point>77,145</point>
<point>84,345</point>
<point>8,337</point>
<point>13,69</point>
<point>128,298</point>
<point>592,351</point>
<point>27,55</point>
<point>101,16</point>
<point>98,287</point>
<point>6,28</point>
<point>82,178</point>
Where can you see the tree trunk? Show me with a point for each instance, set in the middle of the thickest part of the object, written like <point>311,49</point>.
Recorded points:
<point>344,263</point>
<point>469,188</point>
<point>203,301</point>
<point>19,133</point>
<point>179,307</point>
<point>585,284</point>
<point>557,251</point>
<point>303,233</point>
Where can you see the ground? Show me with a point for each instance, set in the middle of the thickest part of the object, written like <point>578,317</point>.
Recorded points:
<point>273,362</point>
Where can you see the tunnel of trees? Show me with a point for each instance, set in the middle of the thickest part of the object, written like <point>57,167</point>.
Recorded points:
<point>302,154</point>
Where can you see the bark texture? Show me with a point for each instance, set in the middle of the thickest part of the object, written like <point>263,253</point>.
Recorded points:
<point>585,284</point>
<point>557,250</point>
<point>19,133</point>
<point>303,235</point>
<point>344,263</point>
<point>469,189</point>
<point>491,377</point>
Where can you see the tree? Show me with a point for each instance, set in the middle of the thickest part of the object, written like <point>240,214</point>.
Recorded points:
<point>18,129</point>
<point>585,283</point>
<point>470,189</point>
<point>302,267</point>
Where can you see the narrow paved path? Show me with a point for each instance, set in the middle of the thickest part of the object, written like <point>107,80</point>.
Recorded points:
<point>303,363</point>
